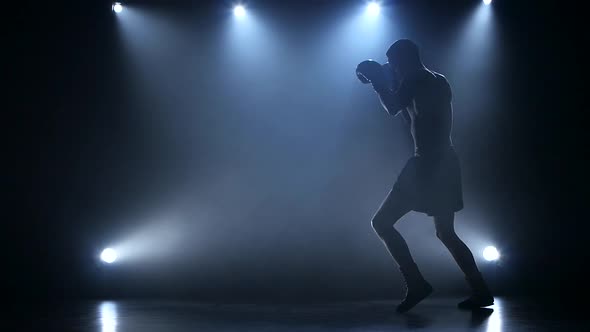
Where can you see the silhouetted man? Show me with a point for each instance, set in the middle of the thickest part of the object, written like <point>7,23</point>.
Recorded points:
<point>430,182</point>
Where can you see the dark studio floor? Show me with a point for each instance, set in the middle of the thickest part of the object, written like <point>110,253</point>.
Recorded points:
<point>507,315</point>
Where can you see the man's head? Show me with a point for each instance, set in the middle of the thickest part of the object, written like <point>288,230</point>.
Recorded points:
<point>404,56</point>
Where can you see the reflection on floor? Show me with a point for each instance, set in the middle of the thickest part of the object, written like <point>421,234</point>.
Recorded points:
<point>432,315</point>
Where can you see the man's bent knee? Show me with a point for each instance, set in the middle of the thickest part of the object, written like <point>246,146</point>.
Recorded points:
<point>391,210</point>
<point>445,229</point>
<point>446,236</point>
<point>381,225</point>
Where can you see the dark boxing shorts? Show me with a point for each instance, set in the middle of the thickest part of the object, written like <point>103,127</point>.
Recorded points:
<point>430,184</point>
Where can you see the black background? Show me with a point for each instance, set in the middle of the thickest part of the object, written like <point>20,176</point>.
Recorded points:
<point>62,93</point>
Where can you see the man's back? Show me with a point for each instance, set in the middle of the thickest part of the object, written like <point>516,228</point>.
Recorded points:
<point>430,111</point>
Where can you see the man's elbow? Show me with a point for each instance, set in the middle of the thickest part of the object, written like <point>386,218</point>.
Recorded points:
<point>386,108</point>
<point>393,111</point>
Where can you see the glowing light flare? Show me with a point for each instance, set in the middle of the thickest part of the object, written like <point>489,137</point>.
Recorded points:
<point>373,8</point>
<point>487,2</point>
<point>117,7</point>
<point>108,255</point>
<point>490,253</point>
<point>239,11</point>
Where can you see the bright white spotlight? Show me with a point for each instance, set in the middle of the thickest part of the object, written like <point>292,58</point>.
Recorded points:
<point>491,254</point>
<point>239,11</point>
<point>373,8</point>
<point>108,255</point>
<point>487,2</point>
<point>117,7</point>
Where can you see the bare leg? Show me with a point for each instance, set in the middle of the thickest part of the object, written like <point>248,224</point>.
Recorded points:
<point>445,231</point>
<point>383,221</point>
<point>389,213</point>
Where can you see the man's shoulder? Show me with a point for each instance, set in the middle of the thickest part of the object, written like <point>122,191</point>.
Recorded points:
<point>431,79</point>
<point>436,74</point>
<point>422,76</point>
<point>425,73</point>
<point>440,78</point>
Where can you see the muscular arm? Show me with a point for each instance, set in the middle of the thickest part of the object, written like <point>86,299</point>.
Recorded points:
<point>395,102</point>
<point>406,116</point>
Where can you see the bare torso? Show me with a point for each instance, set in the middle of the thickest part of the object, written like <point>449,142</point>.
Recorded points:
<point>430,111</point>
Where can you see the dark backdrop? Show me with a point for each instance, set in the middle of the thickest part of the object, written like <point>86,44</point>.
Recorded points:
<point>251,168</point>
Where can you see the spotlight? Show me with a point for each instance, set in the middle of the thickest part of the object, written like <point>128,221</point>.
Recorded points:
<point>491,254</point>
<point>373,8</point>
<point>108,255</point>
<point>487,2</point>
<point>239,11</point>
<point>117,7</point>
